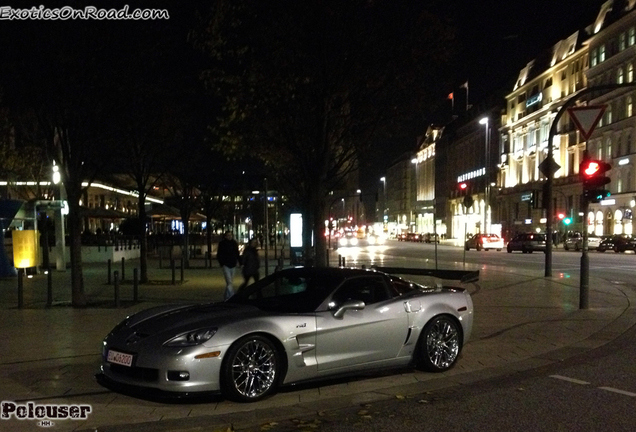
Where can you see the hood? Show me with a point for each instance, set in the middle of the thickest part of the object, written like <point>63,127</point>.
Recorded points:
<point>192,317</point>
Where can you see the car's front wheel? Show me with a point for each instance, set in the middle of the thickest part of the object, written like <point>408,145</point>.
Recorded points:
<point>439,344</point>
<point>250,370</point>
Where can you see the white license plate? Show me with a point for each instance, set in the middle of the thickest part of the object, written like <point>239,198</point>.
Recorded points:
<point>119,358</point>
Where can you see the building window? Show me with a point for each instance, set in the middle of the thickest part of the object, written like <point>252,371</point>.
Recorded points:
<point>608,152</point>
<point>601,54</point>
<point>548,83</point>
<point>622,41</point>
<point>608,115</point>
<point>620,76</point>
<point>629,107</point>
<point>631,36</point>
<point>593,58</point>
<point>630,72</point>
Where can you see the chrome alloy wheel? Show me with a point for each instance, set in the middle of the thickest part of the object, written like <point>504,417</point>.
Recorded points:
<point>253,368</point>
<point>442,344</point>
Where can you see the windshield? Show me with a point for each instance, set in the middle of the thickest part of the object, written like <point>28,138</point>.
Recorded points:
<point>292,292</point>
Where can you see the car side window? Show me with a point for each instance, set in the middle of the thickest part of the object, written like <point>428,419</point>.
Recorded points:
<point>366,289</point>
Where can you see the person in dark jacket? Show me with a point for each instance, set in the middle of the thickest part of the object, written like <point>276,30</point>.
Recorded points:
<point>228,256</point>
<point>251,262</point>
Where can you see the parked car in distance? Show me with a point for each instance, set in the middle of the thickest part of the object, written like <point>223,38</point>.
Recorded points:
<point>574,241</point>
<point>618,243</point>
<point>527,243</point>
<point>430,237</point>
<point>485,242</point>
<point>413,237</point>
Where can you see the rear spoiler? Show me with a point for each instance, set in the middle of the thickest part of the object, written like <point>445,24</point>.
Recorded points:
<point>463,276</point>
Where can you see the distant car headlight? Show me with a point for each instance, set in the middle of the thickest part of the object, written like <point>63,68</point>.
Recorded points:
<point>191,338</point>
<point>372,240</point>
<point>353,241</point>
<point>342,242</point>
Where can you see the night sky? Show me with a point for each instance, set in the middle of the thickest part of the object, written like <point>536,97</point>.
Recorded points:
<point>501,37</point>
<point>498,37</point>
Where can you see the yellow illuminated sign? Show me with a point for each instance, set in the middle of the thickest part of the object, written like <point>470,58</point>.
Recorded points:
<point>24,248</point>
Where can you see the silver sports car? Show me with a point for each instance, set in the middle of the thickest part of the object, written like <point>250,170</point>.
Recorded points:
<point>294,325</point>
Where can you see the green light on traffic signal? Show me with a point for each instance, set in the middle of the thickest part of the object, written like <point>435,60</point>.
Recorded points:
<point>567,221</point>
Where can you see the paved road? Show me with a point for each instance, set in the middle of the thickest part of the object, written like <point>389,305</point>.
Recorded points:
<point>523,321</point>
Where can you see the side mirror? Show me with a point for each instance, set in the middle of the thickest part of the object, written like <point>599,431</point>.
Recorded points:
<point>349,304</point>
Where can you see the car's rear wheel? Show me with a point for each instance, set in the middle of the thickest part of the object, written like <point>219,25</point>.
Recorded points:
<point>440,344</point>
<point>250,370</point>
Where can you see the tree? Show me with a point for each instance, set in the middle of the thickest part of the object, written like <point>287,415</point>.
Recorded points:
<point>308,86</point>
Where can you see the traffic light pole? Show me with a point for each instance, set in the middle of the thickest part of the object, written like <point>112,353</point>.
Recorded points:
<point>584,287</point>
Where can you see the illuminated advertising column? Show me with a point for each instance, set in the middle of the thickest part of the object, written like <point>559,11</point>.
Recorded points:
<point>296,238</point>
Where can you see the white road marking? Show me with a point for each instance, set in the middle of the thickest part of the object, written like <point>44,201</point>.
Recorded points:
<point>572,380</point>
<point>623,392</point>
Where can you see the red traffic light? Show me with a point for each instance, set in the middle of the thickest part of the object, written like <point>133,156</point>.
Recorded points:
<point>592,174</point>
<point>594,168</point>
<point>463,186</point>
<point>561,216</point>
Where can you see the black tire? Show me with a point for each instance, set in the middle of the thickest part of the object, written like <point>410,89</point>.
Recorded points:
<point>478,247</point>
<point>440,344</point>
<point>509,249</point>
<point>566,247</point>
<point>251,369</point>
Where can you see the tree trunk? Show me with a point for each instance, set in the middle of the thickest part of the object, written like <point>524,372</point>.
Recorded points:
<point>143,243</point>
<point>75,229</point>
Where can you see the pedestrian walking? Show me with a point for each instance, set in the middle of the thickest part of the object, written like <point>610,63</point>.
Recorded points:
<point>251,262</point>
<point>228,256</point>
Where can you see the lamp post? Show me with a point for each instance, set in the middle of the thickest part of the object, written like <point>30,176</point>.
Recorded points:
<point>484,121</point>
<point>60,246</point>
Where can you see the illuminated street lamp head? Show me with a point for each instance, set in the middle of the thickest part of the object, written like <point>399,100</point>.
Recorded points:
<point>483,121</point>
<point>56,174</point>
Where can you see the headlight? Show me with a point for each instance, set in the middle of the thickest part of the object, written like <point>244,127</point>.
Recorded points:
<point>372,240</point>
<point>192,338</point>
<point>353,241</point>
<point>342,242</point>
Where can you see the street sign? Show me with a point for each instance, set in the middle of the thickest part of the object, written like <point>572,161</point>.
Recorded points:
<point>548,167</point>
<point>586,118</point>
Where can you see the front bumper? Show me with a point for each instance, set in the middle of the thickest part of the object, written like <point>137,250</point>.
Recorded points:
<point>160,369</point>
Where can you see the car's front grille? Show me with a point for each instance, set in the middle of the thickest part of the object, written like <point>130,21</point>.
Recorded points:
<point>138,373</point>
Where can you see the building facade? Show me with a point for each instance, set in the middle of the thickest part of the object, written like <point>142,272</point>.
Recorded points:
<point>544,85</point>
<point>612,60</point>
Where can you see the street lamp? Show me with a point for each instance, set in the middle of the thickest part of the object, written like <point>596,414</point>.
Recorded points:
<point>384,208</point>
<point>484,121</point>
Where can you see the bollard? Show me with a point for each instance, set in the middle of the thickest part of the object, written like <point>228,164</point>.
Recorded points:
<point>182,267</point>
<point>135,285</point>
<point>49,287</point>
<point>364,267</point>
<point>339,260</point>
<point>109,269</point>
<point>117,302</point>
<point>123,261</point>
<point>344,262</point>
<point>20,288</point>
<point>172,265</point>
<point>327,253</point>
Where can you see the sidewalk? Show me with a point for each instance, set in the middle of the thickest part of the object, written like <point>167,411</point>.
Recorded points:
<point>50,355</point>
